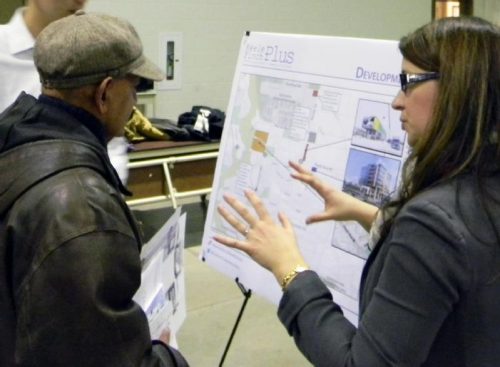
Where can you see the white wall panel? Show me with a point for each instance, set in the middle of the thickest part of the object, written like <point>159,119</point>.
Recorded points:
<point>212,31</point>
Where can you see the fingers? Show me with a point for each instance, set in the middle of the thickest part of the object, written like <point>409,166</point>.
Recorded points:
<point>309,178</point>
<point>284,221</point>
<point>245,212</point>
<point>297,167</point>
<point>242,210</point>
<point>230,242</point>
<point>301,173</point>
<point>258,205</point>
<point>235,222</point>
<point>267,240</point>
<point>320,217</point>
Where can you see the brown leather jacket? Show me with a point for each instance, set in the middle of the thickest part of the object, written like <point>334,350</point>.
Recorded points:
<point>69,249</point>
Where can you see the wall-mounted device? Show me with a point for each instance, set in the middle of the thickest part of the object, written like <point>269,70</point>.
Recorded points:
<point>170,51</point>
<point>170,60</point>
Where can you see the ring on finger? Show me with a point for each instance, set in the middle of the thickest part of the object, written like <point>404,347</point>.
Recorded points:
<point>246,230</point>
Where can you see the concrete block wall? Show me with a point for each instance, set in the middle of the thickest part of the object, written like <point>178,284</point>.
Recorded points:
<point>212,31</point>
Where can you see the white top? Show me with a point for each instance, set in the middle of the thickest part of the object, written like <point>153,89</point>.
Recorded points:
<point>17,70</point>
<point>18,73</point>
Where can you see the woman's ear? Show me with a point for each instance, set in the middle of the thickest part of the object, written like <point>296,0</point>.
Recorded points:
<point>101,94</point>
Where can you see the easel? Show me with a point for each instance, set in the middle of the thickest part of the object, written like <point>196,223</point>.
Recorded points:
<point>246,293</point>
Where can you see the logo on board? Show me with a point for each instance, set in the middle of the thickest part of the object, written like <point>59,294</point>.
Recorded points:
<point>272,54</point>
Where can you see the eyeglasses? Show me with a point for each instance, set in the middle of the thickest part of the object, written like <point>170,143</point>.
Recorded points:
<point>411,79</point>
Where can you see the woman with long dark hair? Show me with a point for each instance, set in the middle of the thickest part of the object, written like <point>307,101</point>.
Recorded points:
<point>430,290</point>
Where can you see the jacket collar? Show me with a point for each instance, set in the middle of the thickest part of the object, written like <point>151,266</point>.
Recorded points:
<point>87,119</point>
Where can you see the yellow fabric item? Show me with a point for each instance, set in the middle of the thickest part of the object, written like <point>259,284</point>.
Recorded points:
<point>139,128</point>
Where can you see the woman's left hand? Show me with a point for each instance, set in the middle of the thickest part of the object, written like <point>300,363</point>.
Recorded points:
<point>272,245</point>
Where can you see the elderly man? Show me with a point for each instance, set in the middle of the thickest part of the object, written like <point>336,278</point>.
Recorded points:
<point>17,69</point>
<point>69,248</point>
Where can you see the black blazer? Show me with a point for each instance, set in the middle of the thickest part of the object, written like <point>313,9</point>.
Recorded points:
<point>430,293</point>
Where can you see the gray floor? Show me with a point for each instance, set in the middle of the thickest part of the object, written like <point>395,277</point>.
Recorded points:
<point>213,303</point>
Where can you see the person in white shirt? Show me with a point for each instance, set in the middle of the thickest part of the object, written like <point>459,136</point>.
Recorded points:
<point>17,69</point>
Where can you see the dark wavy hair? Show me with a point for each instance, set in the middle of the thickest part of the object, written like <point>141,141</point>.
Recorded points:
<point>463,135</point>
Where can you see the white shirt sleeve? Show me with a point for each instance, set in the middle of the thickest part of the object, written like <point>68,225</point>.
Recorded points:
<point>17,69</point>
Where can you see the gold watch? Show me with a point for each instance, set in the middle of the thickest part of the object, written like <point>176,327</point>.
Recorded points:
<point>287,279</point>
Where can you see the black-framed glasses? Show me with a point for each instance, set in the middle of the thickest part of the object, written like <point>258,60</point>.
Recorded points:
<point>411,79</point>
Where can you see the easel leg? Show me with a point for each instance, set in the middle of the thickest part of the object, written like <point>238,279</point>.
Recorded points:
<point>204,206</point>
<point>247,294</point>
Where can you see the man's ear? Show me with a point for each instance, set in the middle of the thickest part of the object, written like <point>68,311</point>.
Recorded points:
<point>101,94</point>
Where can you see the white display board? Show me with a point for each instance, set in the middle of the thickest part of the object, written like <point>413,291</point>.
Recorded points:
<point>324,102</point>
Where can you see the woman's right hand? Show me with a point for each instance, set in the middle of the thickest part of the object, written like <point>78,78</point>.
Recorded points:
<point>338,205</point>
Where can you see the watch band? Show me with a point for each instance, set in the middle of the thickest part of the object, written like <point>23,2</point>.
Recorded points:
<point>287,279</point>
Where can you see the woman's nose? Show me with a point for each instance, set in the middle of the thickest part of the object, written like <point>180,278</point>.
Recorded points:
<point>397,102</point>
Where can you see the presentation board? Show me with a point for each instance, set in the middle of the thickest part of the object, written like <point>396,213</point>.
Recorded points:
<point>324,102</point>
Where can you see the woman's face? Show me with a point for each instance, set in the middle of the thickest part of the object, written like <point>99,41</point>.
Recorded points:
<point>416,104</point>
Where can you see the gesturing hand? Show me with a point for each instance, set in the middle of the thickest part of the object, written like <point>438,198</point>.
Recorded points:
<point>338,205</point>
<point>272,245</point>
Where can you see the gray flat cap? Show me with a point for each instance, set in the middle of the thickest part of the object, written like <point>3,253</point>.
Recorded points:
<point>85,48</point>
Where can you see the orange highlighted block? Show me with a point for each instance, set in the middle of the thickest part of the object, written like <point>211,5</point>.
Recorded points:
<point>259,141</point>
